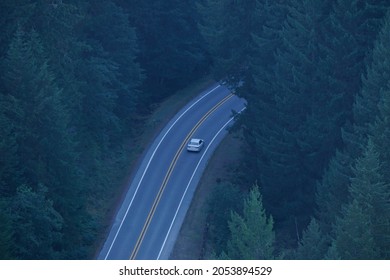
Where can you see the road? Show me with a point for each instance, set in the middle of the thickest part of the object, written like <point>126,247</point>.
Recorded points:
<point>149,220</point>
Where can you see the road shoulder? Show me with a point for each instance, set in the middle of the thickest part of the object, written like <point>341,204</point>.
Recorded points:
<point>190,244</point>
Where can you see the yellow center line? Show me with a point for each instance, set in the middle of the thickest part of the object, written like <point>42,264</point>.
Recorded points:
<point>168,175</point>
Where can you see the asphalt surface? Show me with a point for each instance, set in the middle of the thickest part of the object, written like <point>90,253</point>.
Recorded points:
<point>148,222</point>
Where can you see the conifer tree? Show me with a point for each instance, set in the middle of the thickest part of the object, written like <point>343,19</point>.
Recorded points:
<point>171,48</point>
<point>381,138</point>
<point>10,175</point>
<point>380,132</point>
<point>227,27</point>
<point>284,124</point>
<point>332,190</point>
<point>313,245</point>
<point>37,111</point>
<point>374,83</point>
<point>45,144</point>
<point>345,59</point>
<point>6,233</point>
<point>377,94</point>
<point>366,219</point>
<point>252,235</point>
<point>118,42</point>
<point>354,237</point>
<point>223,201</point>
<point>37,225</point>
<point>265,40</point>
<point>57,22</point>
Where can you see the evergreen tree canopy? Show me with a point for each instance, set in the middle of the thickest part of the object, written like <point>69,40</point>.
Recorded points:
<point>354,236</point>
<point>252,235</point>
<point>6,234</point>
<point>37,224</point>
<point>313,243</point>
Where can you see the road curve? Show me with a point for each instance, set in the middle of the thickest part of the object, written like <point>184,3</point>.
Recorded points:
<point>149,219</point>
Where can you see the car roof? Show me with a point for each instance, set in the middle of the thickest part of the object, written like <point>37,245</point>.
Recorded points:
<point>196,140</point>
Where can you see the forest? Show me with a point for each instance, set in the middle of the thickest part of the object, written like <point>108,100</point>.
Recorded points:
<point>79,78</point>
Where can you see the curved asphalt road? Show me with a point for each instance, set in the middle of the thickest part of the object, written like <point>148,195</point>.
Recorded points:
<point>149,220</point>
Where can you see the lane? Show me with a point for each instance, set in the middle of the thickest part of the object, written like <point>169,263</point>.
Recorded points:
<point>168,174</point>
<point>182,185</point>
<point>146,184</point>
<point>123,230</point>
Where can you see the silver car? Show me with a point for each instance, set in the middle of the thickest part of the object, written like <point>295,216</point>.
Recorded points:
<point>195,145</point>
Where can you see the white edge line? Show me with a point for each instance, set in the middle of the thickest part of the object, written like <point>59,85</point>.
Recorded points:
<point>147,166</point>
<point>189,183</point>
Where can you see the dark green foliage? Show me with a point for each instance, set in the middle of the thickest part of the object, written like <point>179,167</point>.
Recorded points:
<point>347,41</point>
<point>380,131</point>
<point>360,228</point>
<point>289,141</point>
<point>34,107</point>
<point>71,93</point>
<point>45,149</point>
<point>56,22</point>
<point>370,117</point>
<point>171,48</point>
<point>362,231</point>
<point>313,244</point>
<point>378,99</point>
<point>223,200</point>
<point>332,190</point>
<point>110,92</point>
<point>375,82</point>
<point>9,161</point>
<point>252,236</point>
<point>37,225</point>
<point>316,85</point>
<point>222,24</point>
<point>76,75</point>
<point>354,235</point>
<point>369,189</point>
<point>6,233</point>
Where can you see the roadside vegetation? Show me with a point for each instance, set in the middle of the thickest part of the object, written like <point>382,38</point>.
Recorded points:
<point>85,85</point>
<point>315,130</point>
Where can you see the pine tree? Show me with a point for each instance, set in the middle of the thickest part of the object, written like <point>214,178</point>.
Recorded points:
<point>45,142</point>
<point>377,96</point>
<point>9,162</point>
<point>374,82</point>
<point>380,132</point>
<point>36,224</point>
<point>362,231</point>
<point>345,59</point>
<point>265,40</point>
<point>171,49</point>
<point>373,195</point>
<point>57,22</point>
<point>252,235</point>
<point>332,190</point>
<point>6,233</point>
<point>259,87</point>
<point>381,138</point>
<point>37,112</point>
<point>313,245</point>
<point>285,125</point>
<point>118,42</point>
<point>222,26</point>
<point>224,199</point>
<point>354,236</point>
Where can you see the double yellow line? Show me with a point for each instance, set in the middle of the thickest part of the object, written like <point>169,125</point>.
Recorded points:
<point>168,175</point>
